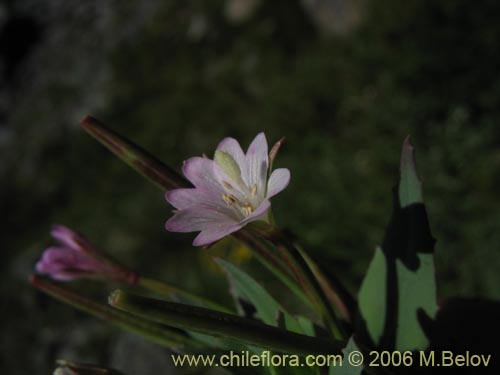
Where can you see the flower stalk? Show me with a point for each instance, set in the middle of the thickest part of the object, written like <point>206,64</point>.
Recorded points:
<point>219,324</point>
<point>304,276</point>
<point>167,290</point>
<point>139,159</point>
<point>162,335</point>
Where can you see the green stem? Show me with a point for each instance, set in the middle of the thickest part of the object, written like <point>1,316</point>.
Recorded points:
<point>219,324</point>
<point>304,275</point>
<point>273,263</point>
<point>337,294</point>
<point>164,336</point>
<point>139,159</point>
<point>168,290</point>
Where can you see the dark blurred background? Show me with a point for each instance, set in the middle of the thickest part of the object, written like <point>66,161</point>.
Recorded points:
<point>344,81</point>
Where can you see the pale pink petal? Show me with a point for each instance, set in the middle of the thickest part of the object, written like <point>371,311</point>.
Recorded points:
<point>256,164</point>
<point>233,148</point>
<point>189,197</point>
<point>214,234</point>
<point>195,219</point>
<point>261,210</point>
<point>65,264</point>
<point>200,171</point>
<point>65,236</point>
<point>278,181</point>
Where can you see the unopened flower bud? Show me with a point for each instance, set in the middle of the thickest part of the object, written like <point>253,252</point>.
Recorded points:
<point>75,258</point>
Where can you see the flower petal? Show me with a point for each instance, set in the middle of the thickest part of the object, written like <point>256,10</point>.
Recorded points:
<point>189,197</point>
<point>255,172</point>
<point>233,148</point>
<point>195,219</point>
<point>261,210</point>
<point>277,182</point>
<point>213,224</point>
<point>214,234</point>
<point>63,263</point>
<point>200,171</point>
<point>65,236</point>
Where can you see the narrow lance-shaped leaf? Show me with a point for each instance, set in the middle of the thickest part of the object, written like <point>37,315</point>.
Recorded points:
<point>161,335</point>
<point>132,154</point>
<point>245,287</point>
<point>399,288</point>
<point>303,274</point>
<point>416,282</point>
<point>218,324</point>
<point>266,254</point>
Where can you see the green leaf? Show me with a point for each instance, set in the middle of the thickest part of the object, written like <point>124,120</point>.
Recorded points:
<point>245,287</point>
<point>299,324</point>
<point>372,296</point>
<point>399,288</point>
<point>410,187</point>
<point>417,294</point>
<point>247,331</point>
<point>346,368</point>
<point>266,254</point>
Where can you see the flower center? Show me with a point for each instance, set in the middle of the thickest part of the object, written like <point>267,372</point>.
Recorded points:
<point>241,197</point>
<point>245,208</point>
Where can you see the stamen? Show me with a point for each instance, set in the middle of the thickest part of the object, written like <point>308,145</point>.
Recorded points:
<point>227,185</point>
<point>247,209</point>
<point>230,199</point>
<point>254,190</point>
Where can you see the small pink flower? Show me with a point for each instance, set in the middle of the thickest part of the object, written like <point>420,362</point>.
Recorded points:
<point>75,258</point>
<point>229,192</point>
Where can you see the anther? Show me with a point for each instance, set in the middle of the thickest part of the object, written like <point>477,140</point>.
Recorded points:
<point>229,199</point>
<point>247,209</point>
<point>254,190</point>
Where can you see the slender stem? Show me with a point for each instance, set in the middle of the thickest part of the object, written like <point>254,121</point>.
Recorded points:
<point>219,324</point>
<point>304,275</point>
<point>165,336</point>
<point>314,289</point>
<point>272,262</point>
<point>334,290</point>
<point>168,290</point>
<point>142,161</point>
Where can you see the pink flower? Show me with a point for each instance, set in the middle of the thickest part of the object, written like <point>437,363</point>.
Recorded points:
<point>75,258</point>
<point>229,192</point>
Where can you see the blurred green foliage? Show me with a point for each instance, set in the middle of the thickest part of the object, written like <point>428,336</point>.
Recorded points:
<point>184,77</point>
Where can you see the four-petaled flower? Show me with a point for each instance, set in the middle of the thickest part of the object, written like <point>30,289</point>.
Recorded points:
<point>75,258</point>
<point>229,191</point>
